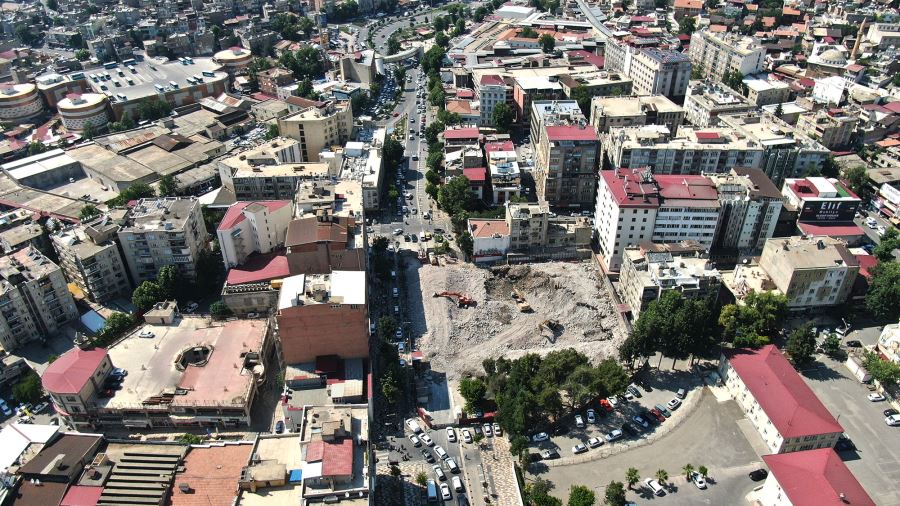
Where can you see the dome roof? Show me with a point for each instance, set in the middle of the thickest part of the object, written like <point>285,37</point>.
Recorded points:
<point>833,57</point>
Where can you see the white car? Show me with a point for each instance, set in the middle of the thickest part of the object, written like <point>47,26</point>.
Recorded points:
<point>614,435</point>
<point>427,439</point>
<point>613,401</point>
<point>698,480</point>
<point>591,416</point>
<point>487,430</point>
<point>893,420</point>
<point>439,472</point>
<point>579,422</point>
<point>540,436</point>
<point>875,397</point>
<point>655,486</point>
<point>147,334</point>
<point>579,448</point>
<point>451,435</point>
<point>457,484</point>
<point>880,230</point>
<point>871,223</point>
<point>413,425</point>
<point>445,491</point>
<point>497,430</point>
<point>674,404</point>
<point>595,442</point>
<point>467,436</point>
<point>415,440</point>
<point>441,453</point>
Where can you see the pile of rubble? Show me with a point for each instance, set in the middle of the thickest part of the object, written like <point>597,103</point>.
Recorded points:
<point>565,306</point>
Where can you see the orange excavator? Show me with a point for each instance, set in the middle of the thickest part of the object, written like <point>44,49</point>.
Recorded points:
<point>463,301</point>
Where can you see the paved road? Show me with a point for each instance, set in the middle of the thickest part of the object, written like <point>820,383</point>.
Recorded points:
<point>710,437</point>
<point>454,450</point>
<point>875,463</point>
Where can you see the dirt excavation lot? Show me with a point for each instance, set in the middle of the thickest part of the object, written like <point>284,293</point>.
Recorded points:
<point>456,340</point>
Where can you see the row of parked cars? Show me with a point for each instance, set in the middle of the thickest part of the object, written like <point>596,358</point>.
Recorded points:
<point>419,437</point>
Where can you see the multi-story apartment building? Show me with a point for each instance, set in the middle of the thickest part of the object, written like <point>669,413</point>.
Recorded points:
<point>597,84</point>
<point>359,67</point>
<point>491,90</point>
<point>884,35</point>
<point>503,166</point>
<point>160,232</point>
<point>635,207</point>
<point>253,227</point>
<point>832,128</point>
<point>365,163</point>
<point>810,477</point>
<point>691,151</point>
<point>89,257</point>
<point>649,270</point>
<point>750,206</point>
<point>813,272</point>
<point>544,112</point>
<point>820,199</point>
<point>780,405</point>
<point>617,112</point>
<point>762,92</point>
<point>527,223</point>
<point>318,128</point>
<point>706,101</point>
<point>526,88</point>
<point>787,152</point>
<point>274,78</point>
<point>660,72</point>
<point>566,163</point>
<point>270,171</point>
<point>34,299</point>
<point>719,53</point>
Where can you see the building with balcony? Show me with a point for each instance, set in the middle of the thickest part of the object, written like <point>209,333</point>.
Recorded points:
<point>780,405</point>
<point>253,227</point>
<point>160,232</point>
<point>762,92</point>
<point>719,53</point>
<point>833,129</point>
<point>649,270</point>
<point>660,72</point>
<point>751,205</point>
<point>527,223</point>
<point>813,272</point>
<point>34,299</point>
<point>318,129</point>
<point>505,175</point>
<point>706,101</point>
<point>89,256</point>
<point>491,90</point>
<point>565,170</point>
<point>618,112</point>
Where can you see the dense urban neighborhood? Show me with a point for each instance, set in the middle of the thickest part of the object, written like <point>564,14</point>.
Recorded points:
<point>404,253</point>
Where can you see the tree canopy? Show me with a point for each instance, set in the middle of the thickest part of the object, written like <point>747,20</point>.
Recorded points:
<point>146,295</point>
<point>801,344</point>
<point>305,63</point>
<point>548,43</point>
<point>88,211</point>
<point>756,321</point>
<point>456,195</point>
<point>168,186</point>
<point>890,241</point>
<point>502,116</point>
<point>884,291</point>
<point>579,495</point>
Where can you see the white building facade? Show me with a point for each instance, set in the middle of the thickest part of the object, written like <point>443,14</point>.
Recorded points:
<point>253,227</point>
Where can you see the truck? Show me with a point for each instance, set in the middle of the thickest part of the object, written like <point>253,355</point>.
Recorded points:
<point>856,367</point>
<point>432,492</point>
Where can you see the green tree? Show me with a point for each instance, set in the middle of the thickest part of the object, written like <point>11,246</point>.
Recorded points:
<point>832,344</point>
<point>537,493</point>
<point>456,195</point>
<point>393,44</point>
<point>688,469</point>
<point>466,243</point>
<point>28,389</point>
<point>433,59</point>
<point>884,371</point>
<point>151,109</point>
<point>756,321</point>
<point>306,63</point>
<point>518,444</point>
<point>36,148</point>
<point>548,43</point>
<point>88,212</point>
<point>442,40</point>
<point>890,241</point>
<point>779,111</point>
<point>502,116</point>
<point>189,439</point>
<point>52,358</point>
<point>136,191</point>
<point>88,132</point>
<point>432,177</point>
<point>273,131</point>
<point>704,472</point>
<point>53,5</point>
<point>615,494</point>
<point>884,291</point>
<point>114,327</point>
<point>219,310</point>
<point>801,344</point>
<point>82,55</point>
<point>528,33</point>
<point>169,281</point>
<point>211,270</point>
<point>480,13</point>
<point>473,391</point>
<point>858,179</point>
<point>581,95</point>
<point>579,495</point>
<point>23,32</point>
<point>146,295</point>
<point>168,186</point>
<point>387,327</point>
<point>687,25</point>
<point>380,244</point>
<point>449,118</point>
<point>76,41</point>
<point>421,478</point>
<point>632,477</point>
<point>437,96</point>
<point>392,152</point>
<point>662,476</point>
<point>432,131</point>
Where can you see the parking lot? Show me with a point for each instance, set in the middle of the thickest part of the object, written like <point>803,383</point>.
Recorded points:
<point>419,457</point>
<point>707,435</point>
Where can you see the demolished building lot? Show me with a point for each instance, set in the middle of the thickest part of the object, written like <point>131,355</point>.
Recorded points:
<point>517,309</point>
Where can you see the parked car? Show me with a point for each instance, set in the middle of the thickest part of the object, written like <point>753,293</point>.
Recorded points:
<point>758,475</point>
<point>595,442</point>
<point>674,404</point>
<point>427,456</point>
<point>146,334</point>
<point>457,484</point>
<point>579,422</point>
<point>640,421</point>
<point>681,393</point>
<point>427,439</point>
<point>634,391</point>
<point>549,454</point>
<point>488,431</point>
<point>875,397</point>
<point>698,480</point>
<point>853,344</point>
<point>440,452</point>
<point>415,440</point>
<point>658,415</point>
<point>613,401</point>
<point>40,407</point>
<point>5,409</point>
<point>279,427</point>
<point>893,420</point>
<point>497,430</point>
<point>439,472</point>
<point>118,373</point>
<point>467,436</point>
<point>844,444</point>
<point>451,435</point>
<point>540,436</point>
<point>662,409</point>
<point>591,416</point>
<point>579,448</point>
<point>655,487</point>
<point>605,404</point>
<point>413,425</point>
<point>889,412</point>
<point>629,429</point>
<point>614,435</point>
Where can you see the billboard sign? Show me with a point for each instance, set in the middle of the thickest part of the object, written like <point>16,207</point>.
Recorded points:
<point>828,210</point>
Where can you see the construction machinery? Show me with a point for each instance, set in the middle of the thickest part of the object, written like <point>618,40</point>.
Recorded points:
<point>551,325</point>
<point>463,301</point>
<point>523,305</point>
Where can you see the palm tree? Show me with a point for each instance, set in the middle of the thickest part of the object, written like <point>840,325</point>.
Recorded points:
<point>688,469</point>
<point>662,476</point>
<point>632,476</point>
<point>703,471</point>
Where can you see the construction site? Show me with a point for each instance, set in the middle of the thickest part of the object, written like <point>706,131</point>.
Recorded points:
<point>470,313</point>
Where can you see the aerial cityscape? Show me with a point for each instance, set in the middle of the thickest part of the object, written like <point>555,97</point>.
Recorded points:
<point>469,253</point>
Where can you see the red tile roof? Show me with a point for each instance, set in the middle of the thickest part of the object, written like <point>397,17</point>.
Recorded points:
<point>491,147</point>
<point>571,133</point>
<point>315,450</point>
<point>628,190</point>
<point>476,175</point>
<point>595,59</point>
<point>866,264</point>
<point>707,135</point>
<point>461,133</point>
<point>235,212</point>
<point>893,106</point>
<point>836,230</point>
<point>212,473</point>
<point>684,187</point>
<point>817,478</point>
<point>69,373</point>
<point>337,458</point>
<point>487,228</point>
<point>786,399</point>
<point>259,268</point>
<point>491,80</point>
<point>79,495</point>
